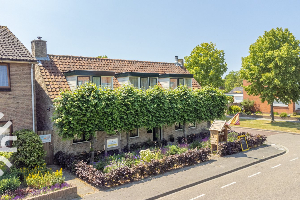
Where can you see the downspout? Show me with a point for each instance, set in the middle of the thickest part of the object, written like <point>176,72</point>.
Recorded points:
<point>32,100</point>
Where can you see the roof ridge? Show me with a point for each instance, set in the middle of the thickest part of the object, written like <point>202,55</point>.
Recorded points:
<point>109,59</point>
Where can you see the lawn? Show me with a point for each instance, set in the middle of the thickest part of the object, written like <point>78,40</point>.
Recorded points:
<point>266,124</point>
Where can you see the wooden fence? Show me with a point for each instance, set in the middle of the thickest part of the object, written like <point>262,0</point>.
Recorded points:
<point>48,147</point>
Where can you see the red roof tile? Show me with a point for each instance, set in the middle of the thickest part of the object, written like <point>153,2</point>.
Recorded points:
<point>52,70</point>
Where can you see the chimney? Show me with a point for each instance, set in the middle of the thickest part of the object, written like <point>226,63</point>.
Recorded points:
<point>176,59</point>
<point>39,48</point>
<point>180,61</point>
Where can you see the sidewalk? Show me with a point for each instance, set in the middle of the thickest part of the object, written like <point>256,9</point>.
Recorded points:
<point>176,180</point>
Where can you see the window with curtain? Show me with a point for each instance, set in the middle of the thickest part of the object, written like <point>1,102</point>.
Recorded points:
<point>97,80</point>
<point>4,76</point>
<point>106,81</point>
<point>134,81</point>
<point>82,79</point>
<point>188,82</point>
<point>144,83</point>
<point>173,83</point>
<point>153,82</point>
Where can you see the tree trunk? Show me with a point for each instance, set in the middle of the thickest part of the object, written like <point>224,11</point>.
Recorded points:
<point>92,150</point>
<point>272,113</point>
<point>184,129</point>
<point>208,124</point>
<point>127,137</point>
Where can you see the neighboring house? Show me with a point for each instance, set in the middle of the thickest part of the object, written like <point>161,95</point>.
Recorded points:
<point>237,94</point>
<point>58,72</point>
<point>277,106</point>
<point>17,96</point>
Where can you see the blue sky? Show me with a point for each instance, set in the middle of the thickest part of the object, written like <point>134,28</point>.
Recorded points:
<point>155,30</point>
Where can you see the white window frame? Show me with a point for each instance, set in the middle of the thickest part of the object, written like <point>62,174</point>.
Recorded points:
<point>139,81</point>
<point>279,104</point>
<point>138,134</point>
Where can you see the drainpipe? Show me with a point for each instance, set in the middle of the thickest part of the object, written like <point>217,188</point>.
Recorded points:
<point>32,100</point>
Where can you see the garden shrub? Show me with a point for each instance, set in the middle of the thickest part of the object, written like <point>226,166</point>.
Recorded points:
<point>147,155</point>
<point>248,113</point>
<point>230,99</point>
<point>30,152</point>
<point>234,109</point>
<point>283,114</point>
<point>195,144</point>
<point>248,105</point>
<point>40,180</point>
<point>276,113</point>
<point>7,155</point>
<point>11,183</point>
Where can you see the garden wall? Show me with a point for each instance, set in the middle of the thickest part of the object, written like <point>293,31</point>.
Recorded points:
<point>70,147</point>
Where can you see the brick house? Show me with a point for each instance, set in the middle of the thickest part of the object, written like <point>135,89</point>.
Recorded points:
<point>17,92</point>
<point>57,72</point>
<point>277,106</point>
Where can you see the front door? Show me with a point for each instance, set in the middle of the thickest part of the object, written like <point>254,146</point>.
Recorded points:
<point>156,134</point>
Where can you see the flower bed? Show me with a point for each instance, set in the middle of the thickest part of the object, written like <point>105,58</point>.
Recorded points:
<point>126,167</point>
<point>124,174</point>
<point>234,144</point>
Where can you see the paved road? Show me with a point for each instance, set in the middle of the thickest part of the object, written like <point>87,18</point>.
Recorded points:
<point>277,178</point>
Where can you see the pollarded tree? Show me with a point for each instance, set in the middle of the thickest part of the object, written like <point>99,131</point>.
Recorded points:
<point>272,67</point>
<point>207,63</point>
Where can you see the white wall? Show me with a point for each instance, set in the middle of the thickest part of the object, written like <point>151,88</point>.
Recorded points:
<point>72,81</point>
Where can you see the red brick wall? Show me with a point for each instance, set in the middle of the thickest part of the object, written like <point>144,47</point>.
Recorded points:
<point>16,105</point>
<point>265,107</point>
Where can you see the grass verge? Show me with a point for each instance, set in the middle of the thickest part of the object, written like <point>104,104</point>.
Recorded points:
<point>267,125</point>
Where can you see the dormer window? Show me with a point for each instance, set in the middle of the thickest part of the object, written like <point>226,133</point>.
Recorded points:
<point>76,78</point>
<point>174,80</point>
<point>138,79</point>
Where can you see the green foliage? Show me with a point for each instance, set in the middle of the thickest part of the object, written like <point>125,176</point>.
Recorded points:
<point>104,56</point>
<point>11,184</point>
<point>207,63</point>
<point>30,152</point>
<point>232,136</point>
<point>88,108</point>
<point>148,155</point>
<point>174,149</point>
<point>294,114</point>
<point>276,113</point>
<point>40,180</point>
<point>258,112</point>
<point>248,113</point>
<point>234,109</point>
<point>283,114</point>
<point>195,144</point>
<point>272,67</point>
<point>230,99</point>
<point>232,80</point>
<point>248,105</point>
<point>6,155</point>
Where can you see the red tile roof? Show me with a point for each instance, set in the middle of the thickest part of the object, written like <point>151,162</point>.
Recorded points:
<point>11,48</point>
<point>52,70</point>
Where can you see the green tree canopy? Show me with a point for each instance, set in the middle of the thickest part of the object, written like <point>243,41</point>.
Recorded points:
<point>272,67</point>
<point>207,63</point>
<point>233,80</point>
<point>104,56</point>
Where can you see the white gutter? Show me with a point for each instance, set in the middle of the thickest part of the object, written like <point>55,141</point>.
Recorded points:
<point>32,100</point>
